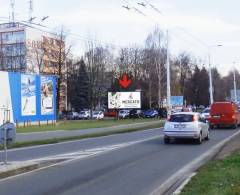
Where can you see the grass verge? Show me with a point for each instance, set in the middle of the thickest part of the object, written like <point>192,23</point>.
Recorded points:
<point>219,177</point>
<point>81,124</point>
<point>58,140</point>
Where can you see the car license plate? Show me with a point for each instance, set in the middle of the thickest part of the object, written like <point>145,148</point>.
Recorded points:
<point>179,126</point>
<point>216,116</point>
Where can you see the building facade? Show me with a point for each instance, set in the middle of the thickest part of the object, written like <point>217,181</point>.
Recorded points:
<point>26,49</point>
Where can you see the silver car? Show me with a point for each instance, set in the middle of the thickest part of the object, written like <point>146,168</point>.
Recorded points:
<point>186,125</point>
<point>205,113</point>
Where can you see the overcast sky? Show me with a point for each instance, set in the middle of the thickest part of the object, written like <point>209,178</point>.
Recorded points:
<point>192,24</point>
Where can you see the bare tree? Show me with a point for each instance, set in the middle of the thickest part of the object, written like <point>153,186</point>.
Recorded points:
<point>156,54</point>
<point>98,59</point>
<point>58,54</point>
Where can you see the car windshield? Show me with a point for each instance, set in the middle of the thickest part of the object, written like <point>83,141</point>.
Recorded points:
<point>181,118</point>
<point>96,112</point>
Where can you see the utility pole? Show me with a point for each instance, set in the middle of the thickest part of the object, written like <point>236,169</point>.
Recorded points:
<point>210,73</point>
<point>234,83</point>
<point>168,79</point>
<point>210,80</point>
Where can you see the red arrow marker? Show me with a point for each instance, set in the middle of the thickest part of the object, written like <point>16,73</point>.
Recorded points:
<point>125,82</point>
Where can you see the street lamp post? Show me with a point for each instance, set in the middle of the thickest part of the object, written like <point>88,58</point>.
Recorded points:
<point>234,83</point>
<point>169,106</point>
<point>210,73</point>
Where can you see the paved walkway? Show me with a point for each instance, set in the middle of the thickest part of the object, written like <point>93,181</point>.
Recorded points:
<point>23,137</point>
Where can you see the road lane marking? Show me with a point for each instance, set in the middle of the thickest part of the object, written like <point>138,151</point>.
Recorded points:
<point>80,155</point>
<point>93,151</point>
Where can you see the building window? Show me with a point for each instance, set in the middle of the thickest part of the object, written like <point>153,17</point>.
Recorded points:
<point>13,37</point>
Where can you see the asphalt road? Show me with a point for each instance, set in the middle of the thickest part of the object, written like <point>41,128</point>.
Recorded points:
<point>23,137</point>
<point>137,164</point>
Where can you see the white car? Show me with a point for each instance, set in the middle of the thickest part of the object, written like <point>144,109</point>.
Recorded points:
<point>84,115</point>
<point>124,113</point>
<point>186,125</point>
<point>98,115</point>
<point>205,113</point>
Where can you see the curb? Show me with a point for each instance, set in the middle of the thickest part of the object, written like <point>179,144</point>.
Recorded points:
<point>15,169</point>
<point>180,176</point>
<point>180,188</point>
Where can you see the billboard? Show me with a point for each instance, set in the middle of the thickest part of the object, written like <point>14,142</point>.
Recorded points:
<point>27,97</point>
<point>233,96</point>
<point>124,100</point>
<point>177,100</point>
<point>46,95</point>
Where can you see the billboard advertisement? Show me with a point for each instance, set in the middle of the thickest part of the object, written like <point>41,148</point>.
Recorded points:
<point>46,95</point>
<point>124,100</point>
<point>177,100</point>
<point>28,95</point>
<point>233,96</point>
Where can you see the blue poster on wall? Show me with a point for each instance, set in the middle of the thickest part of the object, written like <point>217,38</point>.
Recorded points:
<point>177,100</point>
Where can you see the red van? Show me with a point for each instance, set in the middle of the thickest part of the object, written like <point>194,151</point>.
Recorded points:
<point>224,114</point>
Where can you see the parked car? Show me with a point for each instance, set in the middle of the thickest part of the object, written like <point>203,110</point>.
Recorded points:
<point>135,113</point>
<point>98,115</point>
<point>151,113</point>
<point>124,113</point>
<point>110,113</point>
<point>224,114</point>
<point>205,114</point>
<point>176,109</point>
<point>72,116</point>
<point>187,125</point>
<point>85,114</point>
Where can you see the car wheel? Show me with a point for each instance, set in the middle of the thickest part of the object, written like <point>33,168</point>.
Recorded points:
<point>199,140</point>
<point>166,140</point>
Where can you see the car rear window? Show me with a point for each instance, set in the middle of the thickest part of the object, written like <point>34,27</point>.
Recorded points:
<point>181,118</point>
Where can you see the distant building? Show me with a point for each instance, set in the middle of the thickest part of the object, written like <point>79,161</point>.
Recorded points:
<point>24,48</point>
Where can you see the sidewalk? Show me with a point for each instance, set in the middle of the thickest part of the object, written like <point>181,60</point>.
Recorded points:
<point>24,137</point>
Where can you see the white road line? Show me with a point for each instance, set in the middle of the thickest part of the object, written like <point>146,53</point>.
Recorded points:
<point>79,157</point>
<point>90,152</point>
